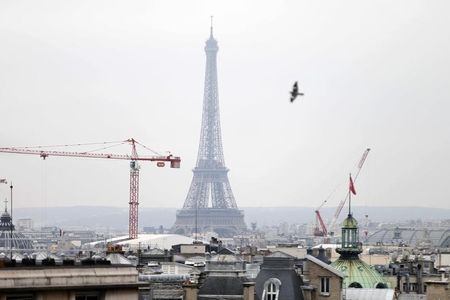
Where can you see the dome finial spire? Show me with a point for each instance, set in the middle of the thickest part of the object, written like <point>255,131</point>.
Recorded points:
<point>6,205</point>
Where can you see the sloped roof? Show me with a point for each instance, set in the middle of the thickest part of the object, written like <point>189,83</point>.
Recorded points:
<point>326,246</point>
<point>279,254</point>
<point>278,260</point>
<point>225,251</point>
<point>325,266</point>
<point>221,286</point>
<point>118,259</point>
<point>225,258</point>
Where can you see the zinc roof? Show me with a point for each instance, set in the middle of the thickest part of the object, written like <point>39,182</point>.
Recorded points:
<point>356,270</point>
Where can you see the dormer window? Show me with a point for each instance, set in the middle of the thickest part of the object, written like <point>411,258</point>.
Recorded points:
<point>271,289</point>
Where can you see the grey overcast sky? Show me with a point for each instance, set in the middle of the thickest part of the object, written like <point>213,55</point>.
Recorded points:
<point>375,73</point>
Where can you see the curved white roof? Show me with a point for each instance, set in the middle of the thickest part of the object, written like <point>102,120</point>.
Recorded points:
<point>160,241</point>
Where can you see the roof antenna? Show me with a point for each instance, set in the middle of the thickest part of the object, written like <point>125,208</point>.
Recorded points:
<point>212,25</point>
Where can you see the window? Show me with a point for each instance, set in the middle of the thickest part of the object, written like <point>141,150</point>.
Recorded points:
<point>355,285</point>
<point>405,287</point>
<point>381,285</point>
<point>271,289</point>
<point>325,285</point>
<point>20,297</point>
<point>87,296</point>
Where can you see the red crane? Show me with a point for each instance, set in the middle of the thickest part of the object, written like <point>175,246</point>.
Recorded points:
<point>322,231</point>
<point>134,168</point>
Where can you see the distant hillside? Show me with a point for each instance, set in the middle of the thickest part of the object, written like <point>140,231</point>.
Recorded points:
<point>116,218</point>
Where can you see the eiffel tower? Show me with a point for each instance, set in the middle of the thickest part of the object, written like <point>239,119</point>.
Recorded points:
<point>210,183</point>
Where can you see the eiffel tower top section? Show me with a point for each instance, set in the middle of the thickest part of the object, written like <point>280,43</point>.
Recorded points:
<point>210,153</point>
<point>211,43</point>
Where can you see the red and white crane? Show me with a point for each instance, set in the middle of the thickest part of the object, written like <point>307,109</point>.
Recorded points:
<point>134,168</point>
<point>342,203</point>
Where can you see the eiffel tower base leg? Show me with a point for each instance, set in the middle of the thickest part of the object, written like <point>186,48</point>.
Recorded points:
<point>225,222</point>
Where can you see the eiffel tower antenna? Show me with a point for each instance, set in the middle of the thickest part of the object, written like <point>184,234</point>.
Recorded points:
<point>212,25</point>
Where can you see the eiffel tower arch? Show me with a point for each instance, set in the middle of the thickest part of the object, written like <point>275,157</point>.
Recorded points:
<point>210,204</point>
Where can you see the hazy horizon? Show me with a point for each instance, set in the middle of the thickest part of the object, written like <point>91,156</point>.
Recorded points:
<point>240,207</point>
<point>375,75</point>
<point>84,216</point>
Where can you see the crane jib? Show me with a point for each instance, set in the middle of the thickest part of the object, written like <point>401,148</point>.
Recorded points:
<point>160,160</point>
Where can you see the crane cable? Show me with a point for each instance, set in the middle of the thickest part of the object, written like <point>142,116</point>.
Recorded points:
<point>107,146</point>
<point>68,145</point>
<point>149,149</point>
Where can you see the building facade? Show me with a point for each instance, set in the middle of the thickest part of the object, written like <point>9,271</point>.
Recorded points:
<point>322,281</point>
<point>69,283</point>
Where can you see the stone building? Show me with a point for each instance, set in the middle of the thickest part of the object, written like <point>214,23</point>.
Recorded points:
<point>438,289</point>
<point>321,281</point>
<point>67,282</point>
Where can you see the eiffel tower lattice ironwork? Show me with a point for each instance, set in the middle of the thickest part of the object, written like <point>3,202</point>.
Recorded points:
<point>210,184</point>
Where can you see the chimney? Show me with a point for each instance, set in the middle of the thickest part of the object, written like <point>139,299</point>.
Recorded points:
<point>249,290</point>
<point>322,256</point>
<point>190,291</point>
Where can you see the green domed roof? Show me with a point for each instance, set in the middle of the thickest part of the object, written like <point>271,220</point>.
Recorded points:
<point>350,222</point>
<point>359,274</point>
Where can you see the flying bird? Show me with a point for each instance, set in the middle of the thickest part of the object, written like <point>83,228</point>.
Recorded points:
<point>294,93</point>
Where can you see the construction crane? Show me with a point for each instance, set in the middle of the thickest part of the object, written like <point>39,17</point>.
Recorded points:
<point>342,203</point>
<point>322,231</point>
<point>134,168</point>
